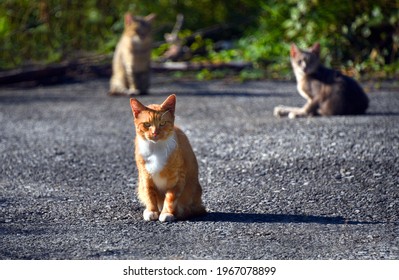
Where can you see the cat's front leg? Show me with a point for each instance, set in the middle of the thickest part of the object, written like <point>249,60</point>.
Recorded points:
<point>167,217</point>
<point>149,215</point>
<point>148,197</point>
<point>117,85</point>
<point>300,113</point>
<point>309,109</point>
<point>290,112</point>
<point>132,91</point>
<point>167,214</point>
<point>131,84</point>
<point>280,111</point>
<point>170,211</point>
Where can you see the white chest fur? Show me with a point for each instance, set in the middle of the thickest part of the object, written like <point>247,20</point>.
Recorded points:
<point>156,154</point>
<point>302,92</point>
<point>301,80</point>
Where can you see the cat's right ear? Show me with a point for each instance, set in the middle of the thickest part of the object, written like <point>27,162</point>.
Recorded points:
<point>294,50</point>
<point>169,104</point>
<point>136,106</point>
<point>128,19</point>
<point>315,49</point>
<point>150,18</point>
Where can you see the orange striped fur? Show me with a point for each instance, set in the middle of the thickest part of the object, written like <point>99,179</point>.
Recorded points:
<point>168,170</point>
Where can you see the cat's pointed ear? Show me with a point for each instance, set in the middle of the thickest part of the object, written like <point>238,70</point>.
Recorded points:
<point>137,107</point>
<point>315,49</point>
<point>294,50</point>
<point>169,104</point>
<point>150,18</point>
<point>128,19</point>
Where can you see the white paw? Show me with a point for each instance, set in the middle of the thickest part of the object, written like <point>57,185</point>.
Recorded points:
<point>292,115</point>
<point>166,217</point>
<point>280,111</point>
<point>150,215</point>
<point>132,92</point>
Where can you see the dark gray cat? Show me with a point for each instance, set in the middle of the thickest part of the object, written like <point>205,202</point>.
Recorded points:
<point>328,92</point>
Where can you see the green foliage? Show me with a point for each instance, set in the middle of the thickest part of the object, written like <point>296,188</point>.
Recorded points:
<point>251,74</point>
<point>358,35</point>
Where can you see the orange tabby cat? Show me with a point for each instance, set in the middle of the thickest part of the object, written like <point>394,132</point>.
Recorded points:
<point>168,170</point>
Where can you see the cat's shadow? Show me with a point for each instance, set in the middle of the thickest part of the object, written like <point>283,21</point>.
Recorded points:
<point>275,218</point>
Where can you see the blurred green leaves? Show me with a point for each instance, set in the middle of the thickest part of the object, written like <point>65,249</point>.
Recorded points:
<point>360,35</point>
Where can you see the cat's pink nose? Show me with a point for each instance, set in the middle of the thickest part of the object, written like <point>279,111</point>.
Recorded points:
<point>154,131</point>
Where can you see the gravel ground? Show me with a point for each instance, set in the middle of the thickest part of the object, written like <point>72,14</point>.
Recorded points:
<point>314,188</point>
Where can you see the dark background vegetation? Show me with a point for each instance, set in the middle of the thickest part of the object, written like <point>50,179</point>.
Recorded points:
<point>360,37</point>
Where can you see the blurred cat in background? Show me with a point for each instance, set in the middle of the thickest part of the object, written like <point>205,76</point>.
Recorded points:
<point>132,57</point>
<point>327,92</point>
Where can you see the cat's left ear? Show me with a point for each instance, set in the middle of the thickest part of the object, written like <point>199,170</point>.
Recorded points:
<point>128,19</point>
<point>169,104</point>
<point>137,107</point>
<point>150,18</point>
<point>315,49</point>
<point>294,50</point>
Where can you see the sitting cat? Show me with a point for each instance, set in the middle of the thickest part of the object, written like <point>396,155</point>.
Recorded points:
<point>168,170</point>
<point>328,92</point>
<point>132,57</point>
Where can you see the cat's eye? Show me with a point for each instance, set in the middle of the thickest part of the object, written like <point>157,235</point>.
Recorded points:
<point>147,124</point>
<point>162,123</point>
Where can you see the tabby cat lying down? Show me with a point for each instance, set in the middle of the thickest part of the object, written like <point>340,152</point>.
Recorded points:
<point>327,91</point>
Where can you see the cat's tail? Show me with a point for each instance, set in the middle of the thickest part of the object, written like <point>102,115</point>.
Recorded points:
<point>198,211</point>
<point>197,208</point>
<point>192,212</point>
